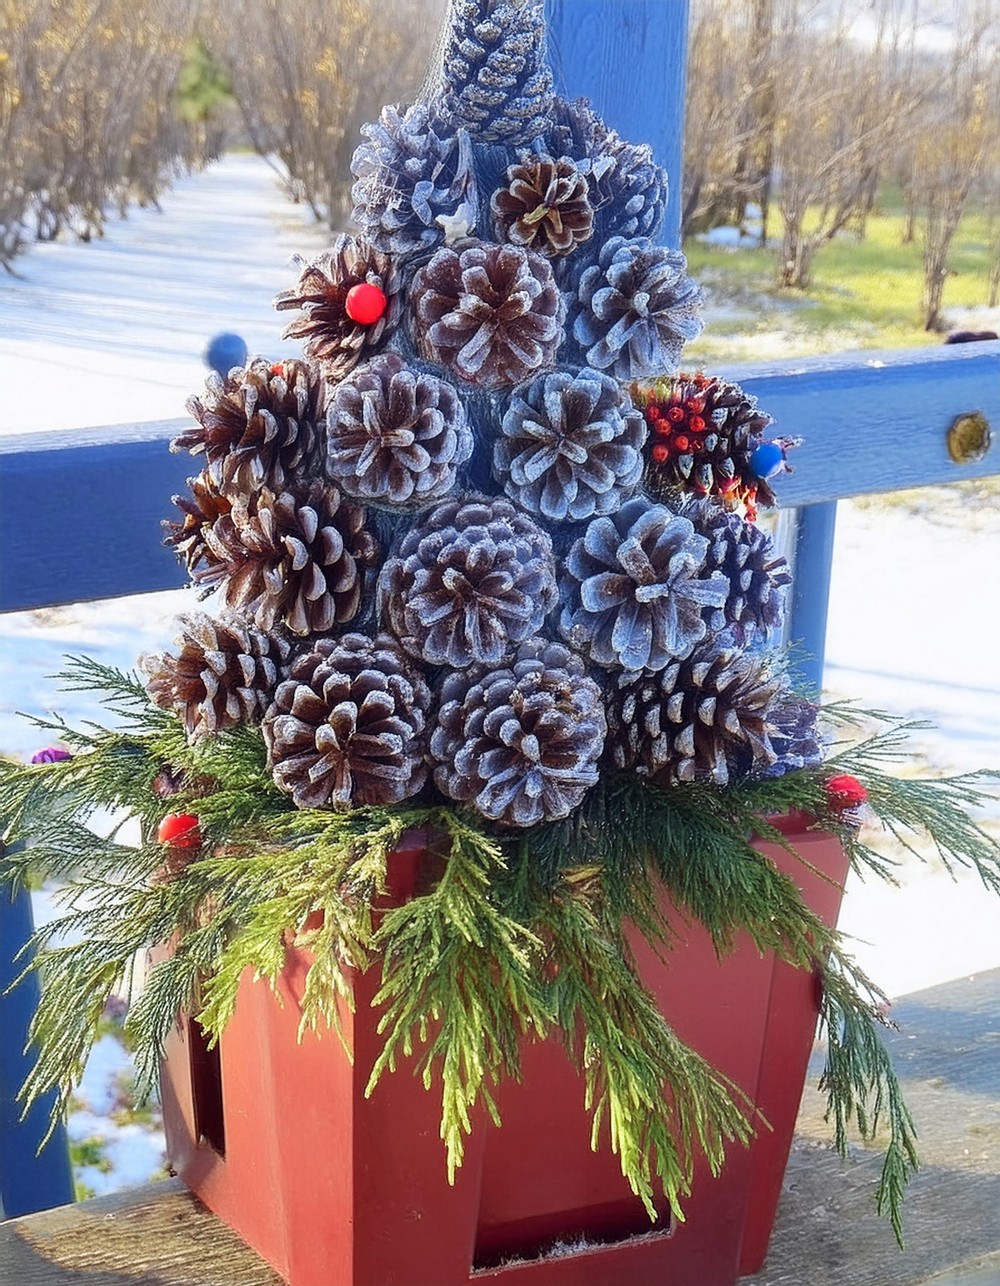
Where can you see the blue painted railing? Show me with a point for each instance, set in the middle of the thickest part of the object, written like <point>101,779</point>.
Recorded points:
<point>80,511</point>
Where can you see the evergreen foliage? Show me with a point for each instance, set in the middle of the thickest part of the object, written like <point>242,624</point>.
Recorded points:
<point>508,937</point>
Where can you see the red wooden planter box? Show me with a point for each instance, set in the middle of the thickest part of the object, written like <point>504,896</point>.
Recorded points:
<point>336,1190</point>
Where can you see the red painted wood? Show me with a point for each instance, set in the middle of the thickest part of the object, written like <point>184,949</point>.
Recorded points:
<point>332,1188</point>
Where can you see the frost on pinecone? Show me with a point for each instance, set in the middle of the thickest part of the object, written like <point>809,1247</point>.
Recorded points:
<point>327,333</point>
<point>258,426</point>
<point>224,673</point>
<point>635,309</point>
<point>349,725</point>
<point>491,314</point>
<point>396,436</point>
<point>571,446</point>
<point>544,206</point>
<point>495,78</point>
<point>637,588</point>
<point>758,576</point>
<point>705,718</point>
<point>521,743</point>
<point>299,558</point>
<point>414,179</point>
<point>469,583</point>
<point>201,510</point>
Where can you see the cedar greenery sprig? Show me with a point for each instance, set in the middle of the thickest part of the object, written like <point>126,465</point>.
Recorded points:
<point>512,935</point>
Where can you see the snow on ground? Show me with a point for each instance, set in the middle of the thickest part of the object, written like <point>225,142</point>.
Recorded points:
<point>116,329</point>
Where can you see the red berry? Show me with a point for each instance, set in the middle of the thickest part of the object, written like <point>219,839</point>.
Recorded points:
<point>278,369</point>
<point>696,424</point>
<point>660,453</point>
<point>652,412</point>
<point>179,830</point>
<point>845,792</point>
<point>676,415</point>
<point>681,442</point>
<point>365,303</point>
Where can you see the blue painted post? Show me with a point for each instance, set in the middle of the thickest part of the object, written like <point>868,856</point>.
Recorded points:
<point>812,564</point>
<point>629,58</point>
<point>29,1180</point>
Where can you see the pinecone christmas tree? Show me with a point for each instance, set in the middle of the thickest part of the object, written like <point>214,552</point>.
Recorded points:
<point>545,206</point>
<point>396,436</point>
<point>258,426</point>
<point>225,673</point>
<point>635,308</point>
<point>329,333</point>
<point>491,314</point>
<point>469,583</point>
<point>637,588</point>
<point>520,744</point>
<point>757,575</point>
<point>571,446</point>
<point>299,558</point>
<point>699,718</point>
<point>414,180</point>
<point>495,78</point>
<point>348,726</point>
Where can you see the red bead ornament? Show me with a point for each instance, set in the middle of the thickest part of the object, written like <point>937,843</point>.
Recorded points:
<point>660,453</point>
<point>365,303</point>
<point>845,792</point>
<point>676,415</point>
<point>681,442</point>
<point>179,830</point>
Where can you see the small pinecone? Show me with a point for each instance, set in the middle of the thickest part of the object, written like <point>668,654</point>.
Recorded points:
<point>256,427</point>
<point>520,744</point>
<point>571,446</point>
<point>636,587</point>
<point>703,433</point>
<point>414,179</point>
<point>396,436</point>
<point>795,737</point>
<point>635,309</point>
<point>757,575</point>
<point>704,718</point>
<point>326,331</point>
<point>468,584</point>
<point>299,557</point>
<point>348,727</point>
<point>202,510</point>
<point>544,207</point>
<point>492,314</point>
<point>494,69</point>
<point>224,674</point>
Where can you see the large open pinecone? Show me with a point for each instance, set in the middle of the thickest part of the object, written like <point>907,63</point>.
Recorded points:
<point>414,179</point>
<point>348,726</point>
<point>469,583</point>
<point>492,314</point>
<point>494,70</point>
<point>521,743</point>
<point>396,436</point>
<point>703,433</point>
<point>635,309</point>
<point>299,557</point>
<point>258,426</point>
<point>757,575</point>
<point>225,673</point>
<point>328,334</point>
<point>637,588</point>
<point>708,717</point>
<point>571,446</point>
<point>544,207</point>
<point>201,510</point>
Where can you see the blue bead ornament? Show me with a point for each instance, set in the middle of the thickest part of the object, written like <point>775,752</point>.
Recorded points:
<point>224,351</point>
<point>767,460</point>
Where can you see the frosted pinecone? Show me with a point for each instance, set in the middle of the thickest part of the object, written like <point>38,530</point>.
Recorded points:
<point>469,583</point>
<point>795,735</point>
<point>201,511</point>
<point>396,436</point>
<point>544,206</point>
<point>571,446</point>
<point>414,182</point>
<point>758,576</point>
<point>705,718</point>
<point>225,673</point>
<point>258,426</point>
<point>349,725</point>
<point>491,314</point>
<point>494,70</point>
<point>635,309</point>
<point>637,588</point>
<point>703,435</point>
<point>299,557</point>
<point>520,743</point>
<point>327,332</point>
